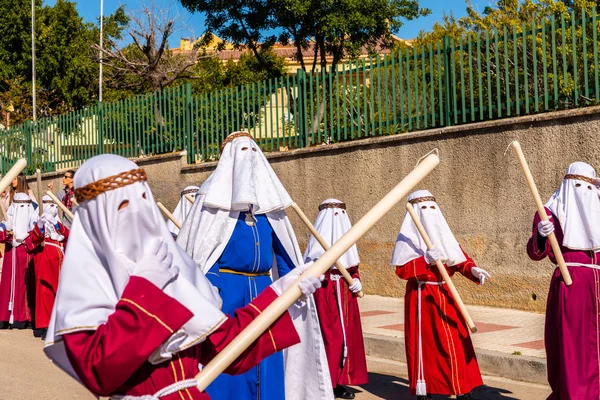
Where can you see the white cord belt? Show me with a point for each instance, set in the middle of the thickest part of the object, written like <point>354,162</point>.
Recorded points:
<point>173,388</point>
<point>336,279</point>
<point>421,385</point>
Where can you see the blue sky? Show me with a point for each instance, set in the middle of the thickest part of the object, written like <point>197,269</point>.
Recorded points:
<point>90,10</point>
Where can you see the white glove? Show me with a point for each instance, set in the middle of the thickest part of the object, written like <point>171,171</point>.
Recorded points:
<point>545,228</point>
<point>8,224</point>
<point>307,285</point>
<point>480,273</point>
<point>41,221</point>
<point>356,286</point>
<point>432,255</point>
<point>53,219</point>
<point>156,265</point>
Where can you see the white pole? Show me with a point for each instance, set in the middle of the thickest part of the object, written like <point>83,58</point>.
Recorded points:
<point>33,75</point>
<point>101,46</point>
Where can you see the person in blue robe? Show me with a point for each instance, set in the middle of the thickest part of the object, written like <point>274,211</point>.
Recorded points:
<point>240,274</point>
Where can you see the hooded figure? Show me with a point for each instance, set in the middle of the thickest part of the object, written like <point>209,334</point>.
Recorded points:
<point>133,316</point>
<point>17,282</point>
<point>239,235</point>
<point>572,331</point>
<point>46,244</point>
<point>337,304</point>
<point>182,209</point>
<point>439,352</point>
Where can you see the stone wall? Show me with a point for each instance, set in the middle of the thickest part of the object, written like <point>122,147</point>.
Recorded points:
<point>478,185</point>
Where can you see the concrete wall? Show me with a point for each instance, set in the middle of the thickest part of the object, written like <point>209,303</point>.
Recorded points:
<point>480,189</point>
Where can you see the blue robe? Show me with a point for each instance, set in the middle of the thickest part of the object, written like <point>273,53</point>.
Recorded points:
<point>240,274</point>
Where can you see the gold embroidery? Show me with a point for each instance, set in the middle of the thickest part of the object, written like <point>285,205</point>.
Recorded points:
<point>175,378</point>
<point>148,313</point>
<point>183,375</point>
<point>230,271</point>
<point>269,329</point>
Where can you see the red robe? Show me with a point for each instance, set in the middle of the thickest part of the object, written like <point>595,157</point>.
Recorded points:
<point>22,282</point>
<point>449,362</point>
<point>48,256</point>
<point>113,358</point>
<point>354,370</point>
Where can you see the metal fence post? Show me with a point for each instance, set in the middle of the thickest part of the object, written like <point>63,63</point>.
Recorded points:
<point>29,126</point>
<point>302,118</point>
<point>100,128</point>
<point>447,83</point>
<point>189,125</point>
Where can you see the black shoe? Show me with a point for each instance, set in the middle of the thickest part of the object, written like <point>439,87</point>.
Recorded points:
<point>428,397</point>
<point>37,333</point>
<point>44,333</point>
<point>467,396</point>
<point>20,325</point>
<point>4,325</point>
<point>341,392</point>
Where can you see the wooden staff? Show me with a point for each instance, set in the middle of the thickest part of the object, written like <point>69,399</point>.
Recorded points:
<point>8,178</point>
<point>60,205</point>
<point>40,194</point>
<point>442,269</point>
<point>190,198</point>
<point>3,210</point>
<point>324,245</point>
<point>280,305</point>
<point>74,201</point>
<point>542,213</point>
<point>168,214</point>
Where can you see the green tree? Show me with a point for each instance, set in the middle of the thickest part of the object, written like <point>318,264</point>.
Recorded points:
<point>67,72</point>
<point>335,29</point>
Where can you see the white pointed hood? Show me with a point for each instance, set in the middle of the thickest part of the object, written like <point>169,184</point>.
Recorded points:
<point>409,243</point>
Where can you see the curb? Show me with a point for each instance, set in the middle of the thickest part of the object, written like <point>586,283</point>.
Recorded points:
<point>518,368</point>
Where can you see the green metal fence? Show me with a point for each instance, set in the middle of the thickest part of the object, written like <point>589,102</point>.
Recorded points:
<point>545,65</point>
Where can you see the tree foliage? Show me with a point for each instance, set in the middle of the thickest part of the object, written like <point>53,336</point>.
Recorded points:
<point>67,73</point>
<point>325,28</point>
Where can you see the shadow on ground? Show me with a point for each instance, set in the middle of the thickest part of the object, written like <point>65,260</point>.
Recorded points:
<point>394,388</point>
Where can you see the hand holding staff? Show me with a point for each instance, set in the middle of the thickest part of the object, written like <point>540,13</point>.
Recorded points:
<point>442,269</point>
<point>280,305</point>
<point>542,213</point>
<point>324,245</point>
<point>168,214</point>
<point>59,203</point>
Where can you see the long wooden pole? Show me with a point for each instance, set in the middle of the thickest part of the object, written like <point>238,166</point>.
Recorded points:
<point>324,245</point>
<point>59,203</point>
<point>7,180</point>
<point>168,214</point>
<point>542,213</point>
<point>442,270</point>
<point>261,323</point>
<point>40,194</point>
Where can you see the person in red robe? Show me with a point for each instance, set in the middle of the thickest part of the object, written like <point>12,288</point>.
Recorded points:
<point>46,245</point>
<point>16,291</point>
<point>133,315</point>
<point>337,304</point>
<point>439,352</point>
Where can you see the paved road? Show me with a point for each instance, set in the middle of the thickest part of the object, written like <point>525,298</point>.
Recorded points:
<point>28,375</point>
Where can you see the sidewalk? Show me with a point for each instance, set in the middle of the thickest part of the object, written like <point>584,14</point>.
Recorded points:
<point>508,343</point>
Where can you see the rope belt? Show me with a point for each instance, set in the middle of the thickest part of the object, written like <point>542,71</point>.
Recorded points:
<point>421,385</point>
<point>230,271</point>
<point>336,278</point>
<point>173,388</point>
